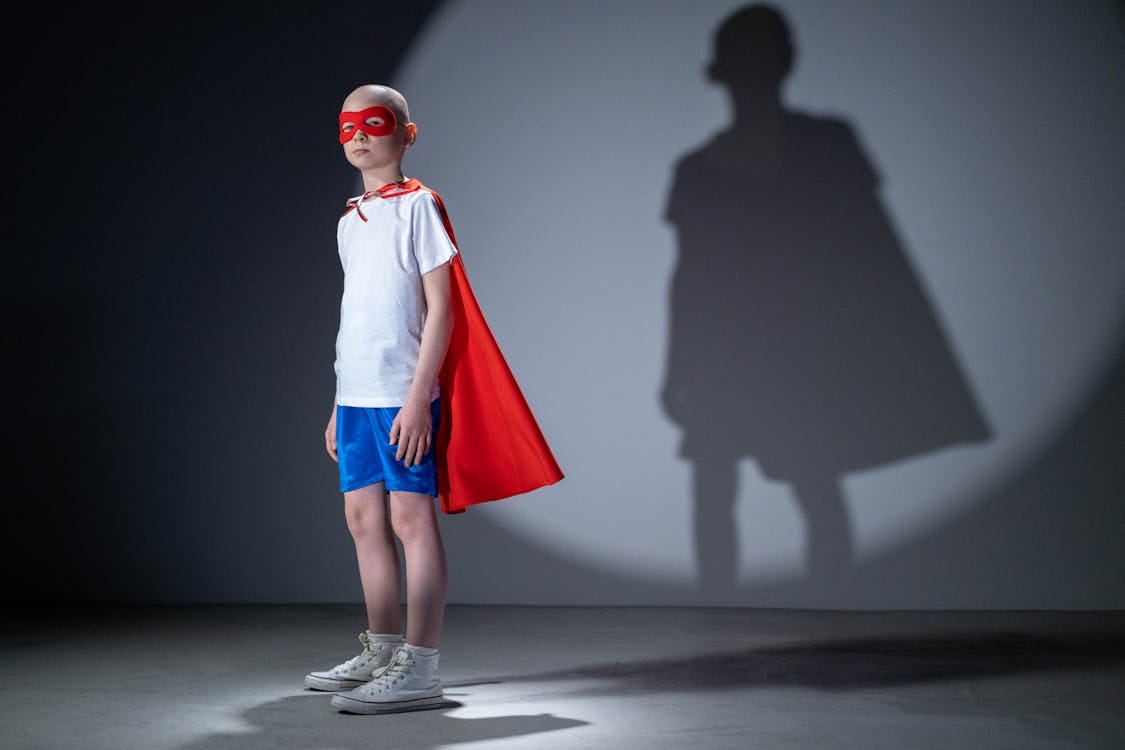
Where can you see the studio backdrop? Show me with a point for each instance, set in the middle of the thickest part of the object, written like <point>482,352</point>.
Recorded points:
<point>818,304</point>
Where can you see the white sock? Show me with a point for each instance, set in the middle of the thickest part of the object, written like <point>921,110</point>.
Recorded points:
<point>385,637</point>
<point>420,650</point>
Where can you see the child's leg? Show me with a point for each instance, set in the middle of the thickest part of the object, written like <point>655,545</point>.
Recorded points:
<point>415,523</point>
<point>366,513</point>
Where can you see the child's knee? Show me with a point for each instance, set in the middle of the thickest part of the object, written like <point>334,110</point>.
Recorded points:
<point>365,514</point>
<point>412,516</point>
<point>406,526</point>
<point>362,524</point>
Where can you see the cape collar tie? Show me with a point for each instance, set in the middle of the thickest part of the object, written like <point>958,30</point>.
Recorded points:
<point>390,190</point>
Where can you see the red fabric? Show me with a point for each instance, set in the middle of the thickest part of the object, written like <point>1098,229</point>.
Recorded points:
<point>489,446</point>
<point>359,119</point>
<point>390,190</point>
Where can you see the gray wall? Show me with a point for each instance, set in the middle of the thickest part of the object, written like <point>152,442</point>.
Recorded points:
<point>874,361</point>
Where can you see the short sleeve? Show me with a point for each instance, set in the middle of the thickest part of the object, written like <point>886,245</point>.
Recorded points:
<point>431,242</point>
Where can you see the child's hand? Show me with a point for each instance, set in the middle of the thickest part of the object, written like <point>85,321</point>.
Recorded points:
<point>412,430</point>
<point>330,437</point>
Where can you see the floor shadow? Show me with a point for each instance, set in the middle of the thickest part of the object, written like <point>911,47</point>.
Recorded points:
<point>306,721</point>
<point>852,663</point>
<point>800,335</point>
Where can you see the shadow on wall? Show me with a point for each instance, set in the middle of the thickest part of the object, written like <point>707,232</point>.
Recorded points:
<point>165,442</point>
<point>799,334</point>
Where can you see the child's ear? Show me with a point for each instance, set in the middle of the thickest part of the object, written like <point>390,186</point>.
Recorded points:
<point>411,134</point>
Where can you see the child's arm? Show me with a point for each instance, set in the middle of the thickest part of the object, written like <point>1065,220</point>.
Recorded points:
<point>330,434</point>
<point>413,426</point>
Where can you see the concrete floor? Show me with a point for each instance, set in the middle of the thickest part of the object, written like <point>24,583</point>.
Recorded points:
<point>226,677</point>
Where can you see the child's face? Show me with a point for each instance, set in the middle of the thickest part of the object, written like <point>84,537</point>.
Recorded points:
<point>375,121</point>
<point>372,136</point>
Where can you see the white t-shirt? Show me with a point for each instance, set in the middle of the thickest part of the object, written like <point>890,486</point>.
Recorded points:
<point>384,306</point>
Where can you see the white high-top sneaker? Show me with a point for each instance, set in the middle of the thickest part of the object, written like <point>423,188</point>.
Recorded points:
<point>409,683</point>
<point>359,669</point>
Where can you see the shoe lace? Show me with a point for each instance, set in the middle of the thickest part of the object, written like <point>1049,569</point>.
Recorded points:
<point>398,668</point>
<point>362,657</point>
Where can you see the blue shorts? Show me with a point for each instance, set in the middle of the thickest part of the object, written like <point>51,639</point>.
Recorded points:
<point>365,455</point>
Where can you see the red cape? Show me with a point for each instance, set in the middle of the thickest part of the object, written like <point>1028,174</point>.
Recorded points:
<point>488,446</point>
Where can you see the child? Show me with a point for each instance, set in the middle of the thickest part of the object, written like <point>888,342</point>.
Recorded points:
<point>425,407</point>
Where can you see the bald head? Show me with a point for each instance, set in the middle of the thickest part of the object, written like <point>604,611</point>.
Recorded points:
<point>372,95</point>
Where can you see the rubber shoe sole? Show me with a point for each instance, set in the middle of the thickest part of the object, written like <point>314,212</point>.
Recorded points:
<point>332,685</point>
<point>353,706</point>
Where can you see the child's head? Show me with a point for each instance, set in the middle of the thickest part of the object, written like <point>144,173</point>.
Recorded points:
<point>375,127</point>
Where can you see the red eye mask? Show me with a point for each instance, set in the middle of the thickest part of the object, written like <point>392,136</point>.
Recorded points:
<point>350,122</point>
